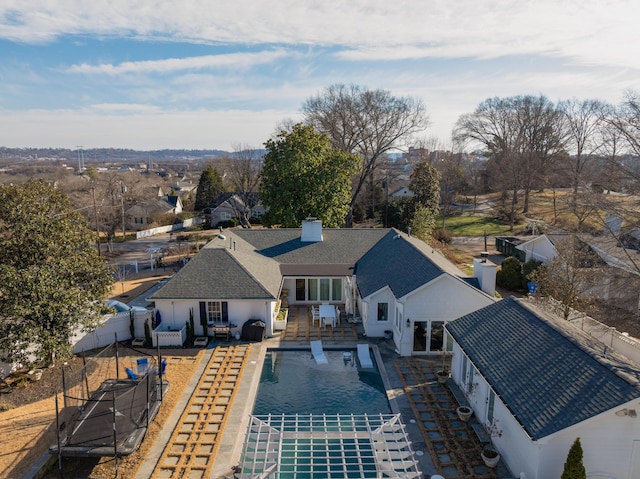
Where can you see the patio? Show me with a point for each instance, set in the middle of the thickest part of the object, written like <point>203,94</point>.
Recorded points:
<point>300,327</point>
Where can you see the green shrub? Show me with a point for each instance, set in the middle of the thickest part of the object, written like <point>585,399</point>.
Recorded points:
<point>232,223</point>
<point>443,235</point>
<point>509,275</point>
<point>573,467</point>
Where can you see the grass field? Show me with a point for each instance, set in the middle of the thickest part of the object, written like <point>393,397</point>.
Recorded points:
<point>474,225</point>
<point>551,208</point>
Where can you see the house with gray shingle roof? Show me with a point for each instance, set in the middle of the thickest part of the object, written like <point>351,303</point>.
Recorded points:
<point>387,279</point>
<point>537,383</point>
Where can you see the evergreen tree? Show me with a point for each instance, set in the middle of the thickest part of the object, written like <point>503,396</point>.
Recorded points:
<point>210,185</point>
<point>52,280</point>
<point>573,467</point>
<point>303,176</point>
<point>425,185</point>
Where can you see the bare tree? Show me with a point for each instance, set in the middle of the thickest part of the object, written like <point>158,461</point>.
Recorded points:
<point>523,137</point>
<point>627,121</point>
<point>567,277</point>
<point>582,122</point>
<point>364,122</point>
<point>242,177</point>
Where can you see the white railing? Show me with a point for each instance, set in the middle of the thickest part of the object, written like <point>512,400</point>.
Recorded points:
<point>165,336</point>
<point>617,341</point>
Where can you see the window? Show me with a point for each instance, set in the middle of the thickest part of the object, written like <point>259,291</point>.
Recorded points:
<point>324,289</point>
<point>301,290</point>
<point>217,312</point>
<point>383,311</point>
<point>437,336</point>
<point>214,312</point>
<point>319,289</point>
<point>492,402</point>
<point>336,289</point>
<point>313,289</point>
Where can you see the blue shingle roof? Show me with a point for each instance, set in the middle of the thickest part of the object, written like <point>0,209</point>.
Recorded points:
<point>547,377</point>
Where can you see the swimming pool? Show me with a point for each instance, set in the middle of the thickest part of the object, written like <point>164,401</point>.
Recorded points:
<point>293,383</point>
<point>316,421</point>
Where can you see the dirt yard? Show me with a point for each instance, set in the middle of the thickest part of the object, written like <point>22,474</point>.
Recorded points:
<point>27,413</point>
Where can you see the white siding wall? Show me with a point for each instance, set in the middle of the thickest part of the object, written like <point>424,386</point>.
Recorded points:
<point>539,249</point>
<point>607,440</point>
<point>373,327</point>
<point>607,443</point>
<point>444,299</point>
<point>176,313</point>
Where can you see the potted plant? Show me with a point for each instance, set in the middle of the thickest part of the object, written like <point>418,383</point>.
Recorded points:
<point>464,413</point>
<point>442,376</point>
<point>490,457</point>
<point>280,322</point>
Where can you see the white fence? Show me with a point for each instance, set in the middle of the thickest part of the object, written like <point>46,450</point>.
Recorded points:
<point>118,325</point>
<point>168,229</point>
<point>611,337</point>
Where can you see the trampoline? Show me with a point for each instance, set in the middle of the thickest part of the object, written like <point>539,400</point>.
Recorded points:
<point>105,414</point>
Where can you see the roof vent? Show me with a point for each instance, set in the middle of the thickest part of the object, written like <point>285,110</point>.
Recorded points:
<point>311,231</point>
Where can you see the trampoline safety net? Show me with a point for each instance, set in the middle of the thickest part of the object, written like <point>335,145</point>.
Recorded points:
<point>108,404</point>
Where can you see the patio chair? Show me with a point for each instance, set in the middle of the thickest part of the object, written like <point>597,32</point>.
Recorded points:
<point>318,353</point>
<point>364,356</point>
<point>315,315</point>
<point>143,366</point>
<point>131,374</point>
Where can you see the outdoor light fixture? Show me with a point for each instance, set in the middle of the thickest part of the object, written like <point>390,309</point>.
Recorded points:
<point>408,323</point>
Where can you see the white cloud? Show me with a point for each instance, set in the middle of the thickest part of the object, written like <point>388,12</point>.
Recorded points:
<point>589,31</point>
<point>172,65</point>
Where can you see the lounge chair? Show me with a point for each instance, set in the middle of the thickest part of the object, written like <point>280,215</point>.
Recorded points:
<point>318,353</point>
<point>131,374</point>
<point>364,357</point>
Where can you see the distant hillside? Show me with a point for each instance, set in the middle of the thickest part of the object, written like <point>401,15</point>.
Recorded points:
<point>105,155</point>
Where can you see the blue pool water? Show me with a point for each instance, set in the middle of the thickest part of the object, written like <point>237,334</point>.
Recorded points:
<point>293,383</point>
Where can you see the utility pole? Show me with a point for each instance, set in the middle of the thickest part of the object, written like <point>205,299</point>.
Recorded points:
<point>123,190</point>
<point>95,212</point>
<point>80,159</point>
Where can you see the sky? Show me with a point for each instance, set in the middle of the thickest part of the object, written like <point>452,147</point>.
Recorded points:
<point>218,74</point>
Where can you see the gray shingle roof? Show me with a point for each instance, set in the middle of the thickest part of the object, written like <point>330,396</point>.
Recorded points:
<point>220,273</point>
<point>395,262</point>
<point>340,245</point>
<point>548,373</point>
<point>250,263</point>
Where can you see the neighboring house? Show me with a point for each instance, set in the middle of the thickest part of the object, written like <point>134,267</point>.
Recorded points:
<point>618,279</point>
<point>184,187</point>
<point>541,248</point>
<point>143,214</point>
<point>403,192</point>
<point>537,383</point>
<point>226,206</point>
<point>388,280</point>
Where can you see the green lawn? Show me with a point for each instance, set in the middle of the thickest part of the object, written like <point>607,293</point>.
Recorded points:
<point>474,225</point>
